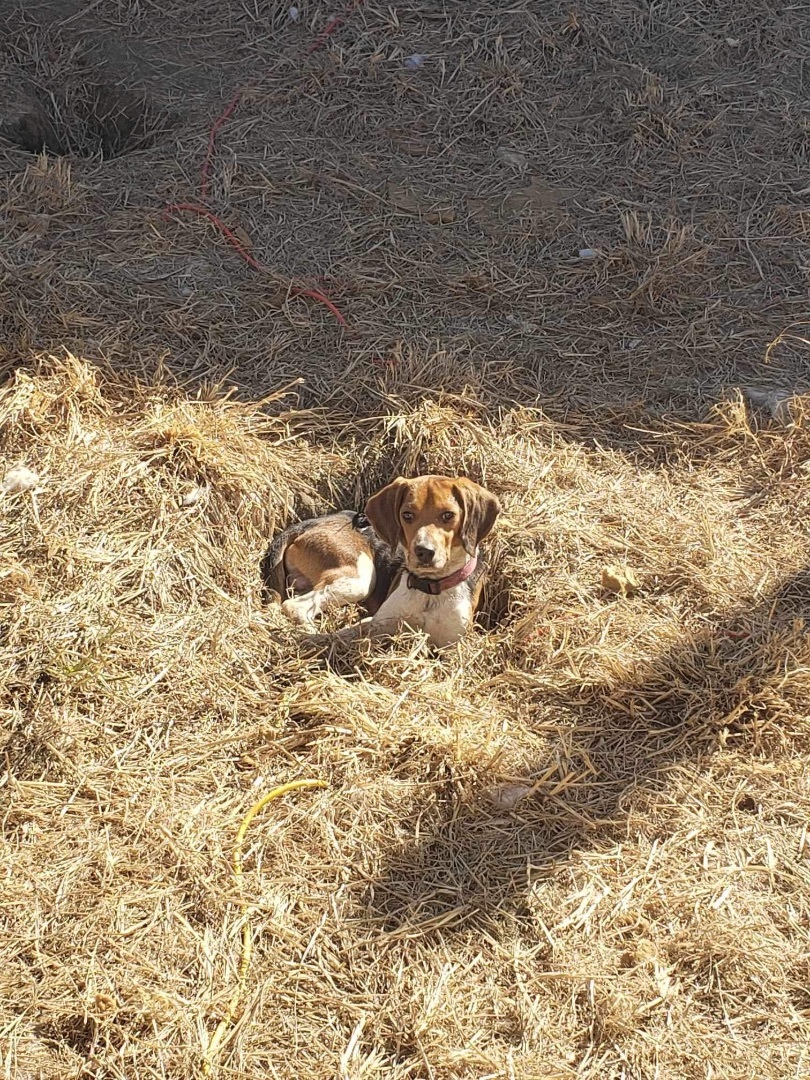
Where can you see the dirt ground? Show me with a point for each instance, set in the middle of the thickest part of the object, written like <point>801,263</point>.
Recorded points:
<point>569,243</point>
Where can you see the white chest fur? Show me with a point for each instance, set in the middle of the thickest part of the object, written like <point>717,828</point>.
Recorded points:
<point>445,618</point>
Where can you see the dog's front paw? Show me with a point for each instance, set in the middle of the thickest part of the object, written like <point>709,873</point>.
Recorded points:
<point>314,644</point>
<point>300,610</point>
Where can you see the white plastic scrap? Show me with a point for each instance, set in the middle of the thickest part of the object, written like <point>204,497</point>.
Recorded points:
<point>192,497</point>
<point>293,14</point>
<point>587,253</point>
<point>513,158</point>
<point>414,62</point>
<point>19,479</point>
<point>775,399</point>
<point>507,796</point>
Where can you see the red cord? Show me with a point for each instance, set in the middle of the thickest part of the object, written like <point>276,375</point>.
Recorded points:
<point>203,211</point>
<point>333,24</point>
<point>315,295</point>
<point>243,253</point>
<point>236,244</point>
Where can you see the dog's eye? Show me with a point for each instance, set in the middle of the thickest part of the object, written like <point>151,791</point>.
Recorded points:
<point>448,515</point>
<point>407,515</point>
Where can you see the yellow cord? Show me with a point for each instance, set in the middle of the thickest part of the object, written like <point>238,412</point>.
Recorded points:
<point>219,1037</point>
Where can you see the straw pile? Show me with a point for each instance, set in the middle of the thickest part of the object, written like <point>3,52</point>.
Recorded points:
<point>576,847</point>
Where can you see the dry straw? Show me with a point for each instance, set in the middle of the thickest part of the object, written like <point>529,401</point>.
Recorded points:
<point>580,840</point>
<point>576,848</point>
<point>220,1037</point>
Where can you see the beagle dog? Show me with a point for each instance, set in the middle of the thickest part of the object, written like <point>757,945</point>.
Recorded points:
<point>412,560</point>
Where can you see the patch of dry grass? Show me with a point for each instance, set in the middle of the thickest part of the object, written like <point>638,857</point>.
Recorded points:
<point>576,848</point>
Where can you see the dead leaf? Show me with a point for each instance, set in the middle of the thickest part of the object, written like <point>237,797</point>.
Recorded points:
<point>620,580</point>
<point>413,202</point>
<point>414,146</point>
<point>416,139</point>
<point>243,238</point>
<point>536,196</point>
<point>513,158</point>
<point>536,199</point>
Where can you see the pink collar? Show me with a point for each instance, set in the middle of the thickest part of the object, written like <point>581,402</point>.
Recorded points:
<point>435,586</point>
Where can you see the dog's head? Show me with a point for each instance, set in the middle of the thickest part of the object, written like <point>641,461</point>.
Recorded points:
<point>438,520</point>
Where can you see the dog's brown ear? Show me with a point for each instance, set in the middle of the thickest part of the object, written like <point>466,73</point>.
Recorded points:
<point>382,510</point>
<point>481,510</point>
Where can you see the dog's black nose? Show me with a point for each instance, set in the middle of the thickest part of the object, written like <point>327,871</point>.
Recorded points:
<point>424,554</point>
